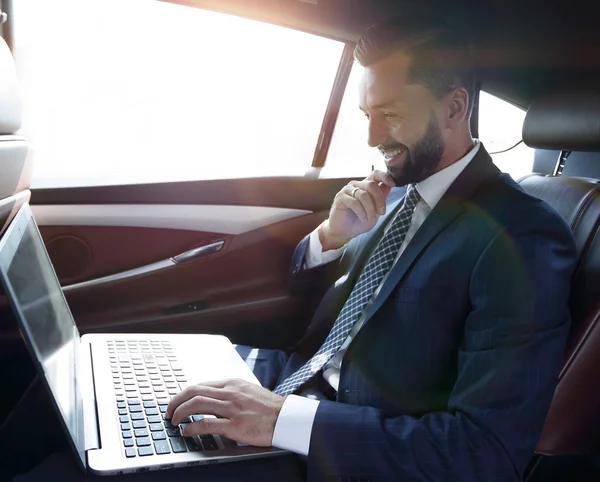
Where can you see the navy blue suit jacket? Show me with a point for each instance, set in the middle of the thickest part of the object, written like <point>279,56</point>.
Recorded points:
<point>451,377</point>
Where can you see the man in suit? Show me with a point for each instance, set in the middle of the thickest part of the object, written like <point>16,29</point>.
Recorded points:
<point>449,313</point>
<point>435,352</point>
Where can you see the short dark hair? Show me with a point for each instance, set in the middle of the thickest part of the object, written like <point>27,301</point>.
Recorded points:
<point>441,58</point>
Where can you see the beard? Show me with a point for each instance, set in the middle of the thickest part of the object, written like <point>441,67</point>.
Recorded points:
<point>421,160</point>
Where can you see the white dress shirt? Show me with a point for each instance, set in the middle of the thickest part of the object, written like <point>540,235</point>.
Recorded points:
<point>294,424</point>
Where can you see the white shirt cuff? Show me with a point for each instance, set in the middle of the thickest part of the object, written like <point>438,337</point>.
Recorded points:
<point>315,255</point>
<point>294,424</point>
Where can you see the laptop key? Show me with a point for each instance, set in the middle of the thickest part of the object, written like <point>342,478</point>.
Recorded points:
<point>162,395</point>
<point>150,404</point>
<point>125,426</point>
<point>192,444</point>
<point>143,441</point>
<point>122,411</point>
<point>154,419</point>
<point>137,416</point>
<point>123,419</point>
<point>145,391</point>
<point>143,451</point>
<point>209,443</point>
<point>156,427</point>
<point>121,405</point>
<point>159,436</point>
<point>173,432</point>
<point>133,402</point>
<point>151,411</point>
<point>173,391</point>
<point>163,408</point>
<point>127,434</point>
<point>162,447</point>
<point>128,442</point>
<point>135,409</point>
<point>141,432</point>
<point>139,424</point>
<point>130,452</point>
<point>178,445</point>
<point>146,398</point>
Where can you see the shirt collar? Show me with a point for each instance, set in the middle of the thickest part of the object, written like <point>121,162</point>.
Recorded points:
<point>435,186</point>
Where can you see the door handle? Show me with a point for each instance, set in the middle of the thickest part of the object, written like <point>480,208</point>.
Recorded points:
<point>200,252</point>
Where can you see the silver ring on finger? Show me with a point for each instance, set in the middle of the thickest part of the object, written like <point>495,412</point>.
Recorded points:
<point>353,194</point>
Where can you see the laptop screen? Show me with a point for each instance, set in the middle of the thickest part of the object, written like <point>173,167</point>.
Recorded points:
<point>44,317</point>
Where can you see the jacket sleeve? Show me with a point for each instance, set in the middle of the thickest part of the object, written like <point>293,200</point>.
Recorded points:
<point>508,363</point>
<point>318,278</point>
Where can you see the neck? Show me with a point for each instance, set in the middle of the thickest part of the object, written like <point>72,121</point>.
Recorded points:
<point>455,152</point>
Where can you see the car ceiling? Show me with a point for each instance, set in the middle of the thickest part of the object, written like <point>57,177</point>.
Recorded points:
<point>521,48</point>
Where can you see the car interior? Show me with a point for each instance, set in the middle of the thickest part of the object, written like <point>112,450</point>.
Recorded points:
<point>213,255</point>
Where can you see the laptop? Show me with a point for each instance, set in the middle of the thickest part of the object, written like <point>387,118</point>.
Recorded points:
<point>111,390</point>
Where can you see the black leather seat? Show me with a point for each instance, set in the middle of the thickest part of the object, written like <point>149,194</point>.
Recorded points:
<point>569,120</point>
<point>15,165</point>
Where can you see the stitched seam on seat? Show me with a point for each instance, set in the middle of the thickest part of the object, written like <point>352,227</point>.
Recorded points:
<point>583,207</point>
<point>589,199</point>
<point>578,348</point>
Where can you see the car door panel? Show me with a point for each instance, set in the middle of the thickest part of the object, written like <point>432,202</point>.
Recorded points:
<point>115,259</point>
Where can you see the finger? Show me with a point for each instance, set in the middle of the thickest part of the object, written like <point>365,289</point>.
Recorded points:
<point>215,426</point>
<point>368,204</point>
<point>201,405</point>
<point>345,201</point>
<point>376,192</point>
<point>189,393</point>
<point>382,177</point>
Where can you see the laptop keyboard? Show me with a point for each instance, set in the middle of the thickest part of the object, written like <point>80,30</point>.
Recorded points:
<point>145,377</point>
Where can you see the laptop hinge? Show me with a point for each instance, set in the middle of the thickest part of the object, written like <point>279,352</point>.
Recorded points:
<point>87,390</point>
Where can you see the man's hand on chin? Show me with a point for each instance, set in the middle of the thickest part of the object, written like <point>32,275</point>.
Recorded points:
<point>245,412</point>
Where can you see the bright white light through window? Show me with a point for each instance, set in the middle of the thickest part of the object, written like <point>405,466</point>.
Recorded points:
<point>120,91</point>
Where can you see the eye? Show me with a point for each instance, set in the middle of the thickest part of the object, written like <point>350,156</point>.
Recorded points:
<point>389,115</point>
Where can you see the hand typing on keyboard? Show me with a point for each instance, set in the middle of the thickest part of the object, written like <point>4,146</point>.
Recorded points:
<point>242,411</point>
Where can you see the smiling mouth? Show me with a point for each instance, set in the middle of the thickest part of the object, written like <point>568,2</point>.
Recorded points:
<point>391,155</point>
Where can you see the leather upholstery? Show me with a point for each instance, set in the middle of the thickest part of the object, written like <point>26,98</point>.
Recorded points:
<point>15,161</point>
<point>573,422</point>
<point>565,120</point>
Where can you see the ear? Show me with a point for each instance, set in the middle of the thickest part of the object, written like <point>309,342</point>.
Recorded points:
<point>458,105</point>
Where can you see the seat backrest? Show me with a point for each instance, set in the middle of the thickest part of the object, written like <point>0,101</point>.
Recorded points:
<point>569,120</point>
<point>15,158</point>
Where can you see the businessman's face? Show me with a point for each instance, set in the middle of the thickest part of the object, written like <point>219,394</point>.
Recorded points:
<point>403,120</point>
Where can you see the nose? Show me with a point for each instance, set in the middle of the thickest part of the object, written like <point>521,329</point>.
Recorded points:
<point>377,133</point>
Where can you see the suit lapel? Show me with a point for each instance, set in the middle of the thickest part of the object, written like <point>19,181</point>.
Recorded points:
<point>450,207</point>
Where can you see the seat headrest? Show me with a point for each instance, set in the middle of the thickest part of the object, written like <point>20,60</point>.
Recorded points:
<point>564,120</point>
<point>10,100</point>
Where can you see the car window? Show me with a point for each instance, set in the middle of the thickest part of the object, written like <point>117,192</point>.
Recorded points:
<point>349,154</point>
<point>144,91</point>
<point>500,125</point>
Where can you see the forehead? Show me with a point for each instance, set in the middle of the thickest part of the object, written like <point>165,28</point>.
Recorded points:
<point>388,81</point>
